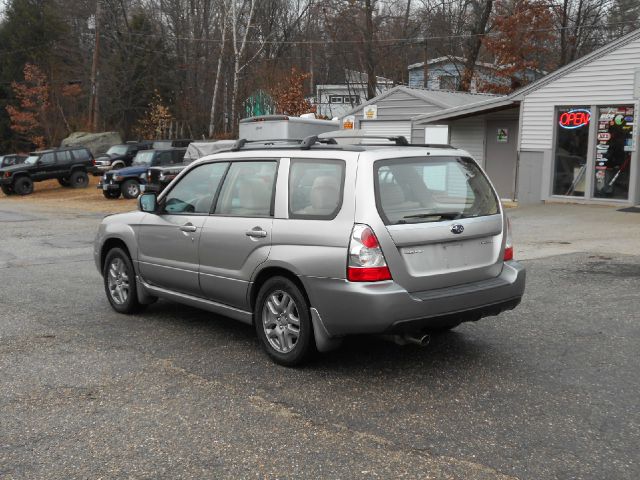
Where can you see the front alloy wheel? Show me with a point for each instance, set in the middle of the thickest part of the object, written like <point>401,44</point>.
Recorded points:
<point>283,322</point>
<point>120,282</point>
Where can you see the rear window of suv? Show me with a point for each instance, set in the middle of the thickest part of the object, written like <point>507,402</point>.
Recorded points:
<point>432,189</point>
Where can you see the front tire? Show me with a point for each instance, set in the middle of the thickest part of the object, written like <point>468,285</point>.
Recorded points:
<point>64,182</point>
<point>79,179</point>
<point>7,189</point>
<point>23,186</point>
<point>130,189</point>
<point>283,322</point>
<point>120,282</point>
<point>111,194</point>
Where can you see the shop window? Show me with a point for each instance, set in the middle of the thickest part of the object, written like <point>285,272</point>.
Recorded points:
<point>614,143</point>
<point>572,142</point>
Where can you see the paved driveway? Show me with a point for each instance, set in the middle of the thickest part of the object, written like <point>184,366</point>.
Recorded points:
<point>548,391</point>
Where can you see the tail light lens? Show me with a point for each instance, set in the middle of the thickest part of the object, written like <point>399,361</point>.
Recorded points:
<point>93,162</point>
<point>366,260</point>
<point>508,246</point>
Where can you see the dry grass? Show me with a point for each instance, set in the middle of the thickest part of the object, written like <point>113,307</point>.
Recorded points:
<point>50,195</point>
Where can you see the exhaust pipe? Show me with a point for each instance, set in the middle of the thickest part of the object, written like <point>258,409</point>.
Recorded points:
<point>406,339</point>
<point>421,341</point>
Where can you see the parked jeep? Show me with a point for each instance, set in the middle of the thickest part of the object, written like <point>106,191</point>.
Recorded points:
<point>119,156</point>
<point>12,159</point>
<point>127,181</point>
<point>68,165</point>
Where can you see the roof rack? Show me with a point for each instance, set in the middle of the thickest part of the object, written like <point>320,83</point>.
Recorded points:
<point>241,142</point>
<point>325,139</point>
<point>311,140</point>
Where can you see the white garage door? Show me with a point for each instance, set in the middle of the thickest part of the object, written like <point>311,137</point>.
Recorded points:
<point>387,128</point>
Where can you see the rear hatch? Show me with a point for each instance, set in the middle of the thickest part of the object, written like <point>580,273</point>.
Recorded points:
<point>444,220</point>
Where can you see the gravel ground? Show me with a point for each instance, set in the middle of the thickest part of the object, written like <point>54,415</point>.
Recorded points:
<point>50,196</point>
<point>548,391</point>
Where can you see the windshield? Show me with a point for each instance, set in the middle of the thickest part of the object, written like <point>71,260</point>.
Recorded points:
<point>117,150</point>
<point>143,158</point>
<point>32,159</point>
<point>432,189</point>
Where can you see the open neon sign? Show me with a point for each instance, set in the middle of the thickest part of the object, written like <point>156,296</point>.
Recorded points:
<point>575,118</point>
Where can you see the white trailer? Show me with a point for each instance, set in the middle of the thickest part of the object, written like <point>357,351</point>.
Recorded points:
<point>283,127</point>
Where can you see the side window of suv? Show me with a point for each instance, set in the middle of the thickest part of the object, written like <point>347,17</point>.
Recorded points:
<point>64,156</point>
<point>47,159</point>
<point>163,158</point>
<point>81,155</point>
<point>315,188</point>
<point>195,192</point>
<point>248,190</point>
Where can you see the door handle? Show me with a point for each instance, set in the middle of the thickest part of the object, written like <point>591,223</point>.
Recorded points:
<point>257,232</point>
<point>188,228</point>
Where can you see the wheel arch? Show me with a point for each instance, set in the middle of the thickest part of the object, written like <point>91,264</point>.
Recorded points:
<point>269,272</point>
<point>111,243</point>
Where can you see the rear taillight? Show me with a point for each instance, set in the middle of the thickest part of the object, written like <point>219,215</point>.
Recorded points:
<point>508,246</point>
<point>366,260</point>
<point>93,162</point>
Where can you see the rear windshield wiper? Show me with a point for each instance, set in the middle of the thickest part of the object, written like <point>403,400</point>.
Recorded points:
<point>445,215</point>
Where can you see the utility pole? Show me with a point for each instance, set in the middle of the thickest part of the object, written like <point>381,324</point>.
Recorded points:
<point>95,73</point>
<point>425,66</point>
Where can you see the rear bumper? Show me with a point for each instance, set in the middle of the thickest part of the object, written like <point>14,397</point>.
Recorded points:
<point>383,307</point>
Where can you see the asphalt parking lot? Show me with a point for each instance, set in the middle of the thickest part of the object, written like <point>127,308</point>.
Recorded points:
<point>548,391</point>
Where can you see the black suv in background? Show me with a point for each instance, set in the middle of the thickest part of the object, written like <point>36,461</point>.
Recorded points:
<point>68,165</point>
<point>12,159</point>
<point>119,156</point>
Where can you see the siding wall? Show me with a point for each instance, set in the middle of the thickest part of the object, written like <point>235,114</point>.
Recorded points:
<point>468,134</point>
<point>399,106</point>
<point>607,80</point>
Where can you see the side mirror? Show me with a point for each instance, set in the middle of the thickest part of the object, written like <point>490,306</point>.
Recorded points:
<point>148,202</point>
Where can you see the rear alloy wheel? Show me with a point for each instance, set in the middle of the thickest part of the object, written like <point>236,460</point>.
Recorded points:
<point>130,189</point>
<point>111,194</point>
<point>117,165</point>
<point>79,179</point>
<point>283,322</point>
<point>7,189</point>
<point>120,282</point>
<point>64,182</point>
<point>23,186</point>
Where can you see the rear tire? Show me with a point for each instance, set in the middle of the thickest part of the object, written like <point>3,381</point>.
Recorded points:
<point>120,282</point>
<point>23,186</point>
<point>111,194</point>
<point>130,189</point>
<point>79,179</point>
<point>7,189</point>
<point>283,322</point>
<point>117,165</point>
<point>64,182</point>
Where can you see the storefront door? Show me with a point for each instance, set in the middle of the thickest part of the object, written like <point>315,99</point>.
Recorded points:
<point>502,156</point>
<point>614,145</point>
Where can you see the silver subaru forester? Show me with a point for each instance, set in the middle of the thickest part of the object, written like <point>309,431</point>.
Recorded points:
<point>313,241</point>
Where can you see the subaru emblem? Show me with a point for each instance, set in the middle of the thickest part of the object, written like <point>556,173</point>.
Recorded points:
<point>456,228</point>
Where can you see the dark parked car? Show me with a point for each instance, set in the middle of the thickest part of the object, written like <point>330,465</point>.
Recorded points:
<point>119,156</point>
<point>12,159</point>
<point>68,165</point>
<point>127,181</point>
<point>159,177</point>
